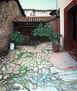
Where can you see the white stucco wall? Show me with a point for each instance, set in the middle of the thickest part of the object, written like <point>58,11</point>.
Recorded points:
<point>62,4</point>
<point>37,13</point>
<point>27,13</point>
<point>43,13</point>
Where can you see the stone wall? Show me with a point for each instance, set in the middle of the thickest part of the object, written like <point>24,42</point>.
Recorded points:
<point>8,10</point>
<point>52,24</point>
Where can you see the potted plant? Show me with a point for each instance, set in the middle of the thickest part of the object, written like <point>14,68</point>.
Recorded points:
<point>16,38</point>
<point>55,40</point>
<point>46,31</point>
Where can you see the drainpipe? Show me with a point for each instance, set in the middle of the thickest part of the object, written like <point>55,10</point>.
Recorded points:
<point>56,14</point>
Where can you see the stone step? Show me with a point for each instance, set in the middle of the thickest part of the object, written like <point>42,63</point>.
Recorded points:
<point>67,72</point>
<point>70,60</point>
<point>69,77</point>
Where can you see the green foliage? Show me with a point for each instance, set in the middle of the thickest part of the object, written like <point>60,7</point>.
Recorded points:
<point>23,69</point>
<point>26,69</point>
<point>16,37</point>
<point>11,76</point>
<point>5,67</point>
<point>20,70</point>
<point>54,37</point>
<point>20,55</point>
<point>2,70</point>
<point>46,31</point>
<point>42,31</point>
<point>29,55</point>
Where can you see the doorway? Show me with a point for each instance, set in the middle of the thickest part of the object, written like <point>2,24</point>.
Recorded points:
<point>74,29</point>
<point>70,28</point>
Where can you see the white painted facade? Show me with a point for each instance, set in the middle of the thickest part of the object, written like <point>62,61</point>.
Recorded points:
<point>37,13</point>
<point>62,4</point>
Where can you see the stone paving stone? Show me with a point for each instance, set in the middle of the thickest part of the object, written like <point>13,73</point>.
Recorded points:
<point>52,69</point>
<point>2,88</point>
<point>63,61</point>
<point>42,75</point>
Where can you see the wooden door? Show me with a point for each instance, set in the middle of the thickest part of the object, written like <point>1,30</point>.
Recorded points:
<point>74,29</point>
<point>73,32</point>
<point>70,29</point>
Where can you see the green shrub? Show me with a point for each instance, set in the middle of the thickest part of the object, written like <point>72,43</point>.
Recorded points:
<point>42,31</point>
<point>16,37</point>
<point>46,31</point>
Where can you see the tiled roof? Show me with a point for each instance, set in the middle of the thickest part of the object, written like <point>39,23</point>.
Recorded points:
<point>53,12</point>
<point>34,19</point>
<point>37,10</point>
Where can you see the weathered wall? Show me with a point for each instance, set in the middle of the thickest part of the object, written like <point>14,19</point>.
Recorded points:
<point>8,10</point>
<point>52,24</point>
<point>27,33</point>
<point>62,4</point>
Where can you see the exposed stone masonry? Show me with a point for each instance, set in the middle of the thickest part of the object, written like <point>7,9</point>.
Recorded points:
<point>8,10</point>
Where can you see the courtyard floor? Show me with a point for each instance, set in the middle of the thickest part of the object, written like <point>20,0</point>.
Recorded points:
<point>38,68</point>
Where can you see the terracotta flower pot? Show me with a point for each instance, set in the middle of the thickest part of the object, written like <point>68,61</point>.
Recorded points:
<point>56,48</point>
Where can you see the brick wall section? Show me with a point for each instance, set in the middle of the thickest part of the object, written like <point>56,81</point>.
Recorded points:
<point>8,10</point>
<point>52,24</point>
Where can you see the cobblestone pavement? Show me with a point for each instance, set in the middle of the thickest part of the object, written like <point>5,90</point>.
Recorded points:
<point>29,68</point>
